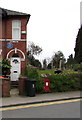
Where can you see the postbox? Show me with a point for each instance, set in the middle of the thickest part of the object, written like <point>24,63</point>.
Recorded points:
<point>46,85</point>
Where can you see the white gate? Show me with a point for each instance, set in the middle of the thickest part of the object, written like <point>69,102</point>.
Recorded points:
<point>15,68</point>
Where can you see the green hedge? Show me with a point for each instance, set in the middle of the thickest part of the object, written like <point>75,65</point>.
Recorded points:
<point>31,72</point>
<point>39,85</point>
<point>77,67</point>
<point>61,83</point>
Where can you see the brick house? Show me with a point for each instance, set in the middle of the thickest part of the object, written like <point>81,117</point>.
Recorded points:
<point>13,35</point>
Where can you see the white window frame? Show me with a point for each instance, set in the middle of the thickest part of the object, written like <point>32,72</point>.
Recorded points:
<point>16,27</point>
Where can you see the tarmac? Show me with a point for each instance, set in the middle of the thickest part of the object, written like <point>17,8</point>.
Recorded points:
<point>15,99</point>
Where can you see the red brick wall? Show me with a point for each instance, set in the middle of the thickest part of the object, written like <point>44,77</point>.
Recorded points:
<point>20,44</point>
<point>5,87</point>
<point>22,81</point>
<point>9,27</point>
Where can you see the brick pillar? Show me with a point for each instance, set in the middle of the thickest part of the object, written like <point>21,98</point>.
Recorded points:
<point>5,87</point>
<point>22,85</point>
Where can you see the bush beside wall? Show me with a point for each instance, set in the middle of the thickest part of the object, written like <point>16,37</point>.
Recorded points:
<point>61,83</point>
<point>39,85</point>
<point>58,82</point>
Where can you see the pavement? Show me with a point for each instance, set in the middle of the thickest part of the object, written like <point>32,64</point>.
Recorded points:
<point>15,99</point>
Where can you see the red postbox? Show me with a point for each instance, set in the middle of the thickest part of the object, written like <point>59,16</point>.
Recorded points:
<point>46,85</point>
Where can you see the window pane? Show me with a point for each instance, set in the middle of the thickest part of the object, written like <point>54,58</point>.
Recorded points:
<point>16,29</point>
<point>16,23</point>
<point>16,33</point>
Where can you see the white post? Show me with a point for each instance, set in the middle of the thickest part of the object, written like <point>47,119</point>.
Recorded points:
<point>60,64</point>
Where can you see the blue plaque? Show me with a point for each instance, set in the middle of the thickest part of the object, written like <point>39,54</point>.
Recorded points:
<point>9,45</point>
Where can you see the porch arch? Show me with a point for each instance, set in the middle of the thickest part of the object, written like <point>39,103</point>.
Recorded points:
<point>15,51</point>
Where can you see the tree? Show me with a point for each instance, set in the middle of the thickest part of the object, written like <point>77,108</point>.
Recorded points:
<point>57,58</point>
<point>70,61</point>
<point>30,58</point>
<point>37,64</point>
<point>34,62</point>
<point>44,64</point>
<point>78,47</point>
<point>49,66</point>
<point>34,50</point>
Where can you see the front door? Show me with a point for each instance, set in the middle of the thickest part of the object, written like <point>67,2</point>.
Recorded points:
<point>15,68</point>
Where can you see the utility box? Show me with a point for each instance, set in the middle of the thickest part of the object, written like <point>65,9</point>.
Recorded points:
<point>30,87</point>
<point>46,85</point>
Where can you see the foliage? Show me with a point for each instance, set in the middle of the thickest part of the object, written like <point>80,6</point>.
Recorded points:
<point>34,62</point>
<point>78,47</point>
<point>37,64</point>
<point>57,57</point>
<point>44,64</point>
<point>67,81</point>
<point>46,72</point>
<point>61,83</point>
<point>77,67</point>
<point>69,71</point>
<point>70,62</point>
<point>30,58</point>
<point>49,66</point>
<point>31,72</point>
<point>57,82</point>
<point>39,85</point>
<point>34,49</point>
<point>51,72</point>
<point>5,67</point>
<point>55,61</point>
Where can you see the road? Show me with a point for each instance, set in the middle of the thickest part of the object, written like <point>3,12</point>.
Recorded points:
<point>59,109</point>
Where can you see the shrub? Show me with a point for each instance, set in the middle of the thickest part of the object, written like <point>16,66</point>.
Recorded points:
<point>77,67</point>
<point>63,82</point>
<point>57,81</point>
<point>39,85</point>
<point>75,81</point>
<point>5,67</point>
<point>31,72</point>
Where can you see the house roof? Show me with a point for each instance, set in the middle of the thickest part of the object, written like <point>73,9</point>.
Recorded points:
<point>12,13</point>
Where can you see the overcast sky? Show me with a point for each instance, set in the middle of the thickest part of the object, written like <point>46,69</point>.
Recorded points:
<point>53,24</point>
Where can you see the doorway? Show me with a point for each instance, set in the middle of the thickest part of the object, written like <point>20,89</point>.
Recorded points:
<point>15,67</point>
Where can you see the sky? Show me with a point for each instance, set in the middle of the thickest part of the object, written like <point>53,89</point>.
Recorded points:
<point>53,24</point>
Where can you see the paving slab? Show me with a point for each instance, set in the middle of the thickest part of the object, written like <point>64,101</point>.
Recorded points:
<point>15,99</point>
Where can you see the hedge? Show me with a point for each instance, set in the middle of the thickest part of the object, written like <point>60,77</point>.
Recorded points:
<point>77,67</point>
<point>61,83</point>
<point>39,85</point>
